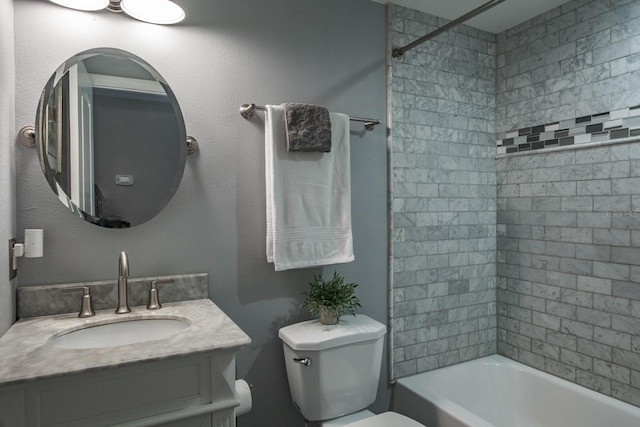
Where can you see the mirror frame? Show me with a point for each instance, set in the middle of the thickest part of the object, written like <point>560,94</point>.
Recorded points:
<point>52,88</point>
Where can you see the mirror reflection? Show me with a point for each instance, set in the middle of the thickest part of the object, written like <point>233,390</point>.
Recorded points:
<point>111,138</point>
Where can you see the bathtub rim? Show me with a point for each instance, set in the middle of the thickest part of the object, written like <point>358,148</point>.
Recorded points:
<point>416,385</point>
<point>460,414</point>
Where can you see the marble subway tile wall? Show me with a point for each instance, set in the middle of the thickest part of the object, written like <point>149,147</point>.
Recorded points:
<point>444,195</point>
<point>569,221</point>
<point>569,265</point>
<point>579,59</point>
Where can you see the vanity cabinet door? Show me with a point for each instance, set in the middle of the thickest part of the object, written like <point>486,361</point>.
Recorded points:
<point>201,421</point>
<point>189,391</point>
<point>120,395</point>
<point>11,407</point>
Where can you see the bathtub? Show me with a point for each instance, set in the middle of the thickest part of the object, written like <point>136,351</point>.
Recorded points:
<point>498,392</point>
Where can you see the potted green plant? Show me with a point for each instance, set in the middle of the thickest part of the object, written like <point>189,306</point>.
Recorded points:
<point>331,299</point>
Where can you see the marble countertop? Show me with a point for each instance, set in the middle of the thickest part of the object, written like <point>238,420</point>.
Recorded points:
<point>26,352</point>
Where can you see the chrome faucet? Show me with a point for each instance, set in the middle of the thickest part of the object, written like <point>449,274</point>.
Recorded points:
<point>123,274</point>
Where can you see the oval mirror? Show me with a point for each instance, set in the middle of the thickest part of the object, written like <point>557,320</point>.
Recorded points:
<point>111,138</point>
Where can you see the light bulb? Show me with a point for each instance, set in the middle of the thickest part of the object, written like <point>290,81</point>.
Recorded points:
<point>88,5</point>
<point>153,11</point>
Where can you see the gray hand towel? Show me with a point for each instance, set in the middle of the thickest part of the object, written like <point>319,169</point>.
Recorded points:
<point>308,127</point>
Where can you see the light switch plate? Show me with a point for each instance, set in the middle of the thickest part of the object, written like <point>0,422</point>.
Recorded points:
<point>124,180</point>
<point>13,272</point>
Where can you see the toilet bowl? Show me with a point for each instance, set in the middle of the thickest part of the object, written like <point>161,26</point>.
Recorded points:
<point>386,419</point>
<point>347,419</point>
<point>369,419</point>
<point>333,372</point>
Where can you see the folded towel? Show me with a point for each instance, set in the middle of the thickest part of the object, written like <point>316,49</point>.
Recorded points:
<point>308,198</point>
<point>308,127</point>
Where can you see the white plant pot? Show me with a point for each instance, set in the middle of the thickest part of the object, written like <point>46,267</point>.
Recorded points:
<point>328,316</point>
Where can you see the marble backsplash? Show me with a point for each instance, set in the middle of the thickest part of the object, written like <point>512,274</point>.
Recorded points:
<point>45,300</point>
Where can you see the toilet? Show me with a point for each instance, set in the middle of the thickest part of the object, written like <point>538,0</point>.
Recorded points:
<point>333,372</point>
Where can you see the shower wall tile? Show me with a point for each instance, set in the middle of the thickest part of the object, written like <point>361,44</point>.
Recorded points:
<point>568,66</point>
<point>444,197</point>
<point>568,279</point>
<point>551,278</point>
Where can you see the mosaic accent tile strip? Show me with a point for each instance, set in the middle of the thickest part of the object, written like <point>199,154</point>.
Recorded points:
<point>607,126</point>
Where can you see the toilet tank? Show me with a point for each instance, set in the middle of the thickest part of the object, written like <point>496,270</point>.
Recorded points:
<point>333,370</point>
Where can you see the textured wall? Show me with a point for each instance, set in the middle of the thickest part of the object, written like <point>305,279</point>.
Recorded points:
<point>226,53</point>
<point>569,221</point>
<point>7,150</point>
<point>444,207</point>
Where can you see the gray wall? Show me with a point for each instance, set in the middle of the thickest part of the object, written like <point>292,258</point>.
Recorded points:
<point>145,127</point>
<point>7,150</point>
<point>568,245</point>
<point>227,53</point>
<point>444,189</point>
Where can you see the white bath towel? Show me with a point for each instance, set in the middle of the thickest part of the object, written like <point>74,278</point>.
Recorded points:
<point>308,198</point>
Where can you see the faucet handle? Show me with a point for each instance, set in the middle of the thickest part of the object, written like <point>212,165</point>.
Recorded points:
<point>154,300</point>
<point>86,307</point>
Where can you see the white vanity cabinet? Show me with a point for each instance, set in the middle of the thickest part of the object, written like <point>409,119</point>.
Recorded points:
<point>196,390</point>
<point>186,380</point>
<point>11,407</point>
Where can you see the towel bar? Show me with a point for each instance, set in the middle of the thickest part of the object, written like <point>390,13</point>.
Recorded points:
<point>246,111</point>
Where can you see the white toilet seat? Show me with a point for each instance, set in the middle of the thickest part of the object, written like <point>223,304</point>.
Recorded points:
<point>386,419</point>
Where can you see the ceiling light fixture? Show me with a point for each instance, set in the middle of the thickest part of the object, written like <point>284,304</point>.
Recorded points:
<point>152,11</point>
<point>88,5</point>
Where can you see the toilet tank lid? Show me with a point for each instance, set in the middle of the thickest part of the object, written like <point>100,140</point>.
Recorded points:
<point>313,335</point>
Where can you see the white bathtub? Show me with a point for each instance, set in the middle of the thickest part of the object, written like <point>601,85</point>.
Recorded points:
<point>498,392</point>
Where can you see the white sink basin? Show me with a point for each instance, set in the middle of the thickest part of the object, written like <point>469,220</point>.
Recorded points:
<point>120,333</point>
